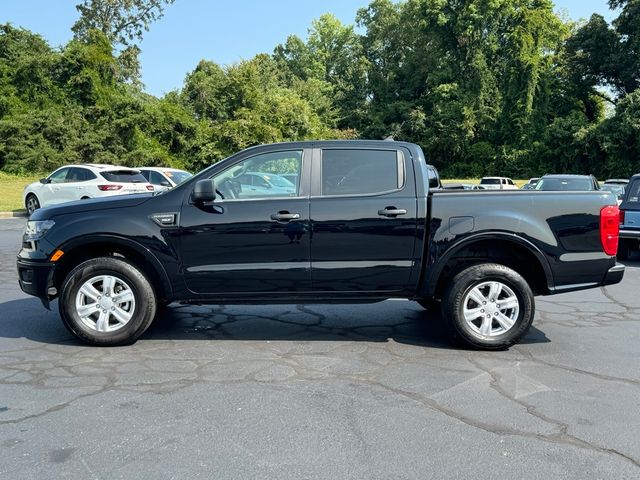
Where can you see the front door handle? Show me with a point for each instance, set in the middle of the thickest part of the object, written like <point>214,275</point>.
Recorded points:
<point>392,212</point>
<point>285,216</point>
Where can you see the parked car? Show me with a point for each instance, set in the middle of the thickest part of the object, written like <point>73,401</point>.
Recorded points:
<point>630,219</point>
<point>81,182</point>
<point>531,184</point>
<point>381,225</point>
<point>617,181</point>
<point>573,183</point>
<point>616,189</point>
<point>164,178</point>
<point>257,184</point>
<point>457,186</point>
<point>497,183</point>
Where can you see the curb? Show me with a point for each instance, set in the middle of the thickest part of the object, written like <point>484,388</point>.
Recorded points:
<point>18,214</point>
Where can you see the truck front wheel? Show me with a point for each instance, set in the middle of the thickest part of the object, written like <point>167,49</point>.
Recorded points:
<point>489,306</point>
<point>107,301</point>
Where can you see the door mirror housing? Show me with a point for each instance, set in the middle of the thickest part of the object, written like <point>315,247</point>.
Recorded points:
<point>165,183</point>
<point>45,180</point>
<point>204,191</point>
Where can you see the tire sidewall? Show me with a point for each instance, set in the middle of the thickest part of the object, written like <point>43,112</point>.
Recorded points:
<point>26,203</point>
<point>144,303</point>
<point>468,280</point>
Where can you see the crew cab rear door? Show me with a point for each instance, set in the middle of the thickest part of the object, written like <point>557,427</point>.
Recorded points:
<point>363,219</point>
<point>246,242</point>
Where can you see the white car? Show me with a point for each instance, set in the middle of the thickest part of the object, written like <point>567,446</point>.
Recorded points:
<point>164,178</point>
<point>79,182</point>
<point>497,183</point>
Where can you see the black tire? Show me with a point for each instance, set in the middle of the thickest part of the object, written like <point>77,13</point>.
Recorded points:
<point>31,203</point>
<point>625,248</point>
<point>465,281</point>
<point>145,301</point>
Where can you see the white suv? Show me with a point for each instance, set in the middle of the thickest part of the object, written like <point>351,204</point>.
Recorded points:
<point>498,183</point>
<point>164,178</point>
<point>78,182</point>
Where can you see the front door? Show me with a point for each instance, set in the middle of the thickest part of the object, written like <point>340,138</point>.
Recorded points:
<point>247,241</point>
<point>364,220</point>
<point>56,190</point>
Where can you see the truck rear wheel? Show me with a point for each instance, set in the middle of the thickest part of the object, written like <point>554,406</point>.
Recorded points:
<point>107,301</point>
<point>489,306</point>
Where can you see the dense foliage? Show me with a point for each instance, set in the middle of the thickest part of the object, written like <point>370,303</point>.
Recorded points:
<point>484,86</point>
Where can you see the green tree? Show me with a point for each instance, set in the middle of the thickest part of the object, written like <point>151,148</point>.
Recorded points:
<point>123,23</point>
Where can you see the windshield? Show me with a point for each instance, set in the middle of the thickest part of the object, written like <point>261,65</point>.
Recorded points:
<point>578,184</point>
<point>277,180</point>
<point>178,176</point>
<point>615,189</point>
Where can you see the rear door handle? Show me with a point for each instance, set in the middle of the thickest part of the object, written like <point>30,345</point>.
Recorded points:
<point>392,212</point>
<point>285,216</point>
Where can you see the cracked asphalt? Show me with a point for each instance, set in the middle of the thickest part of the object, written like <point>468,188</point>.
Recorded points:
<point>321,392</point>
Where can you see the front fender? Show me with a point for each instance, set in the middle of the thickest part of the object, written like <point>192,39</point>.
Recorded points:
<point>112,239</point>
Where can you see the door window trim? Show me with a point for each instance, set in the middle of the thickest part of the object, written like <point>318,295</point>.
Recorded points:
<point>401,162</point>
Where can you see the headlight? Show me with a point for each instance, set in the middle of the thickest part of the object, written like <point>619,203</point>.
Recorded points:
<point>36,230</point>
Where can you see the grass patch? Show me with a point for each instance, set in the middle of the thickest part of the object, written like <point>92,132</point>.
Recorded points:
<point>11,187</point>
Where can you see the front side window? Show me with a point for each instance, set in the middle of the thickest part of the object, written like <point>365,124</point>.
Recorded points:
<point>261,176</point>
<point>361,172</point>
<point>60,176</point>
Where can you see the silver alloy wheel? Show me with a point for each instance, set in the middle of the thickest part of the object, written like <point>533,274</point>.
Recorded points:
<point>490,309</point>
<point>32,204</point>
<point>105,303</point>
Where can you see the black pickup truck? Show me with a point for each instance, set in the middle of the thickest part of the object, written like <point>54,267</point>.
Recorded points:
<point>319,222</point>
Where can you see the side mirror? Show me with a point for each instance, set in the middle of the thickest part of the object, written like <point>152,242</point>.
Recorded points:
<point>204,191</point>
<point>44,181</point>
<point>164,183</point>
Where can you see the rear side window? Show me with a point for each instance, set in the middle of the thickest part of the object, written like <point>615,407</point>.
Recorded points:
<point>154,177</point>
<point>123,176</point>
<point>434,180</point>
<point>361,172</point>
<point>633,192</point>
<point>80,175</point>
<point>490,181</point>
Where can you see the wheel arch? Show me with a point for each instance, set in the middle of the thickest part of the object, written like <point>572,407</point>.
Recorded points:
<point>81,249</point>
<point>495,247</point>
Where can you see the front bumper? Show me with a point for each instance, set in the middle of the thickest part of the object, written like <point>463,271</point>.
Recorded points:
<point>36,278</point>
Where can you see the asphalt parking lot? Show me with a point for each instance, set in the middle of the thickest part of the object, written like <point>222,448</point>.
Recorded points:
<point>321,392</point>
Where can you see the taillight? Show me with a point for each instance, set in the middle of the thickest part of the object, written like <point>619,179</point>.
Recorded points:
<point>109,188</point>
<point>150,188</point>
<point>609,229</point>
<point>621,217</point>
